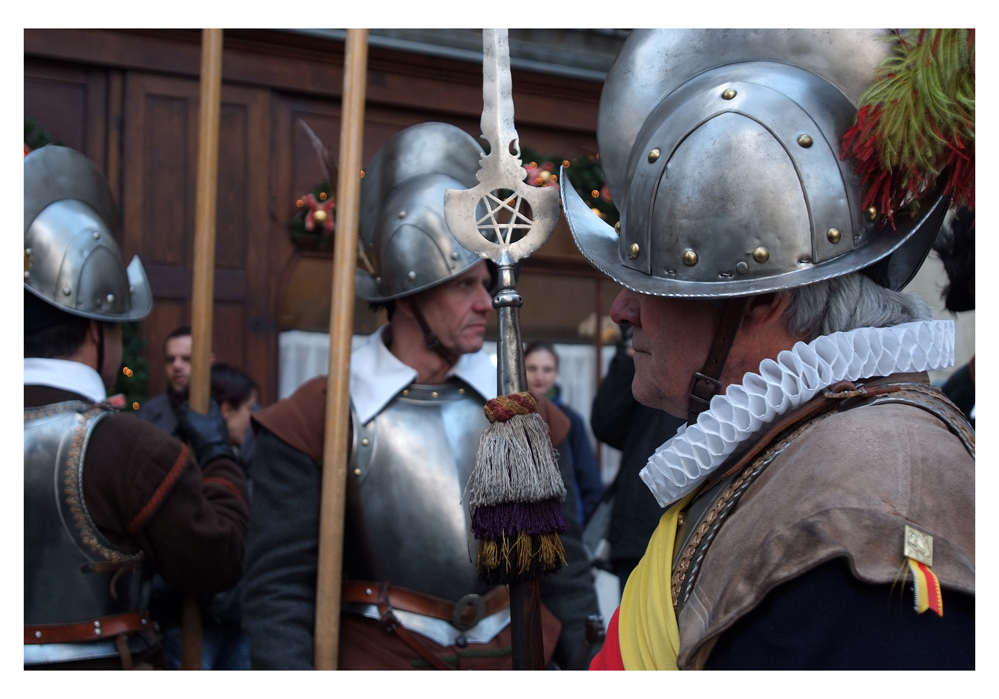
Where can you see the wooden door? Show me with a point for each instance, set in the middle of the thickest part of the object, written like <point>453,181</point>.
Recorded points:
<point>158,196</point>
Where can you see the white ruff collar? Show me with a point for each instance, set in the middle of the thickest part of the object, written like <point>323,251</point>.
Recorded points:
<point>684,461</point>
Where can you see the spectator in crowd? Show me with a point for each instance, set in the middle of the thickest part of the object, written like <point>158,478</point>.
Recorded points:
<point>541,362</point>
<point>956,247</point>
<point>159,409</point>
<point>224,646</point>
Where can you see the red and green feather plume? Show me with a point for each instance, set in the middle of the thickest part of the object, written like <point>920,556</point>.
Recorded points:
<point>916,125</point>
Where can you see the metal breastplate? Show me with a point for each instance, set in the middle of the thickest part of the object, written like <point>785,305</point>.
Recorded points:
<point>72,572</point>
<point>406,522</point>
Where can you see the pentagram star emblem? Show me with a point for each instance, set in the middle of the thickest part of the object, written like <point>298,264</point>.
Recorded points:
<point>491,225</point>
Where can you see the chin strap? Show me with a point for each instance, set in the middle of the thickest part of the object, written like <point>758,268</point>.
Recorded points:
<point>100,347</point>
<point>431,339</point>
<point>706,381</point>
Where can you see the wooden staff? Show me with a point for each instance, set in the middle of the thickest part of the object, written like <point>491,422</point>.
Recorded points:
<point>348,201</point>
<point>203,291</point>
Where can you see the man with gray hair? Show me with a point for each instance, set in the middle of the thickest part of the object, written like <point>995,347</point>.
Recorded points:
<point>820,499</point>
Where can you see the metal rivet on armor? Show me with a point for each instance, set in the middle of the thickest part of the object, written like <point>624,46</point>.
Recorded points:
<point>834,235</point>
<point>761,254</point>
<point>99,302</point>
<point>27,251</point>
<point>689,258</point>
<point>402,214</point>
<point>633,251</point>
<point>461,641</point>
<point>66,291</point>
<point>365,441</point>
<point>741,267</point>
<point>38,634</point>
<point>97,628</point>
<point>729,94</point>
<point>434,394</point>
<point>617,228</point>
<point>367,591</point>
<point>653,155</point>
<point>455,256</point>
<point>110,298</point>
<point>461,391</point>
<point>144,622</point>
<point>27,274</point>
<point>405,391</point>
<point>805,141</point>
<point>357,472</point>
<point>872,212</point>
<point>97,236</point>
<point>411,275</point>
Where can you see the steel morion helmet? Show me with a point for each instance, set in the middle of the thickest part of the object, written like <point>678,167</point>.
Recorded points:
<point>402,229</point>
<point>721,149</point>
<point>71,258</point>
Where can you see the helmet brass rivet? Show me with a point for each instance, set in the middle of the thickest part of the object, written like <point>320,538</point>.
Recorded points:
<point>357,472</point>
<point>411,275</point>
<point>402,214</point>
<point>405,391</point>
<point>729,94</point>
<point>27,274</point>
<point>872,212</point>
<point>741,267</point>
<point>66,291</point>
<point>689,258</point>
<point>434,394</point>
<point>455,255</point>
<point>617,228</point>
<point>365,441</point>
<point>633,251</point>
<point>653,155</point>
<point>97,236</point>
<point>761,254</point>
<point>834,235</point>
<point>805,141</point>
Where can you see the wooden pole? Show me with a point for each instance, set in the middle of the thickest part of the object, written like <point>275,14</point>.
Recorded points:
<point>203,291</point>
<point>348,204</point>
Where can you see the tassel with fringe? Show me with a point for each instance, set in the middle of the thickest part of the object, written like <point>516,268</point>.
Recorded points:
<point>515,494</point>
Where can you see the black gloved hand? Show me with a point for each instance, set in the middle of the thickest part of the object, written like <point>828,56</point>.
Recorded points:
<point>207,434</point>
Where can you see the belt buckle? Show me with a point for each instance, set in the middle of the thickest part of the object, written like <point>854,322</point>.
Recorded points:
<point>459,611</point>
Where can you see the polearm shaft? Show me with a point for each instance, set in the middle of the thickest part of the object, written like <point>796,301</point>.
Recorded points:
<point>506,234</point>
<point>203,290</point>
<point>527,644</point>
<point>328,583</point>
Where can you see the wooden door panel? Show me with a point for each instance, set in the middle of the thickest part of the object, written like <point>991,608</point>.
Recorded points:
<point>71,102</point>
<point>160,173</point>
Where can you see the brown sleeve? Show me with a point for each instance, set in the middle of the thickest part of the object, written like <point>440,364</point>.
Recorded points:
<point>141,486</point>
<point>300,419</point>
<point>558,422</point>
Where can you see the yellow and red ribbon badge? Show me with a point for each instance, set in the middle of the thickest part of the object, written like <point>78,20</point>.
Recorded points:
<point>918,550</point>
<point>926,587</point>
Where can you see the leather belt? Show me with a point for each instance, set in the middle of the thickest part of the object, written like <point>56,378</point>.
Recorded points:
<point>92,630</point>
<point>463,615</point>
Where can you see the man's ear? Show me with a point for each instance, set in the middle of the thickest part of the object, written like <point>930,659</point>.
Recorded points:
<point>765,309</point>
<point>404,306</point>
<point>227,409</point>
